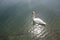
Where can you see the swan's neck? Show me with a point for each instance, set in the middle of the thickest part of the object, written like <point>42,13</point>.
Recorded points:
<point>33,14</point>
<point>33,17</point>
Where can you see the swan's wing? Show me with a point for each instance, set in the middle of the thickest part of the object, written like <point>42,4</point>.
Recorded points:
<point>38,20</point>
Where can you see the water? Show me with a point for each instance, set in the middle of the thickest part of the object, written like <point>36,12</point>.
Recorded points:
<point>16,20</point>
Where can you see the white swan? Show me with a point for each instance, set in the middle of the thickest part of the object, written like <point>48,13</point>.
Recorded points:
<point>37,20</point>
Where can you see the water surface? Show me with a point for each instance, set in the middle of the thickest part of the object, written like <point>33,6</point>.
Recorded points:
<point>16,19</point>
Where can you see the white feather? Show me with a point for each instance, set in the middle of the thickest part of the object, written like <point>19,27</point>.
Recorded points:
<point>37,20</point>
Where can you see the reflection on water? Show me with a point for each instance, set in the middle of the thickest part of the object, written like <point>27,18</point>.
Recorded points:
<point>38,31</point>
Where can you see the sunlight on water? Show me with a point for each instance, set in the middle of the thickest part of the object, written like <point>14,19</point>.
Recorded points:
<point>38,31</point>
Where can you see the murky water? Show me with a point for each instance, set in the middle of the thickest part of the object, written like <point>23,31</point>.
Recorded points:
<point>16,20</point>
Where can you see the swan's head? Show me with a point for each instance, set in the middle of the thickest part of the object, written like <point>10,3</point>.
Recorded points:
<point>33,14</point>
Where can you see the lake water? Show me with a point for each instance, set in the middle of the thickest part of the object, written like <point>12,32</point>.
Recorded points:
<point>16,20</point>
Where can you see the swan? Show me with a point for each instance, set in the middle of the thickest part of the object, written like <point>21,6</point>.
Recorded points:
<point>36,20</point>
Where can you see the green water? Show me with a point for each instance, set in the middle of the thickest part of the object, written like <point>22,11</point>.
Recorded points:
<point>16,20</point>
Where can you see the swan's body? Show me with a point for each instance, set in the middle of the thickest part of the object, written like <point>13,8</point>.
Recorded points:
<point>37,20</point>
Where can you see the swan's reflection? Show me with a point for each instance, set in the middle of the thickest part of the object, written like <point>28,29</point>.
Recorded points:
<point>38,31</point>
